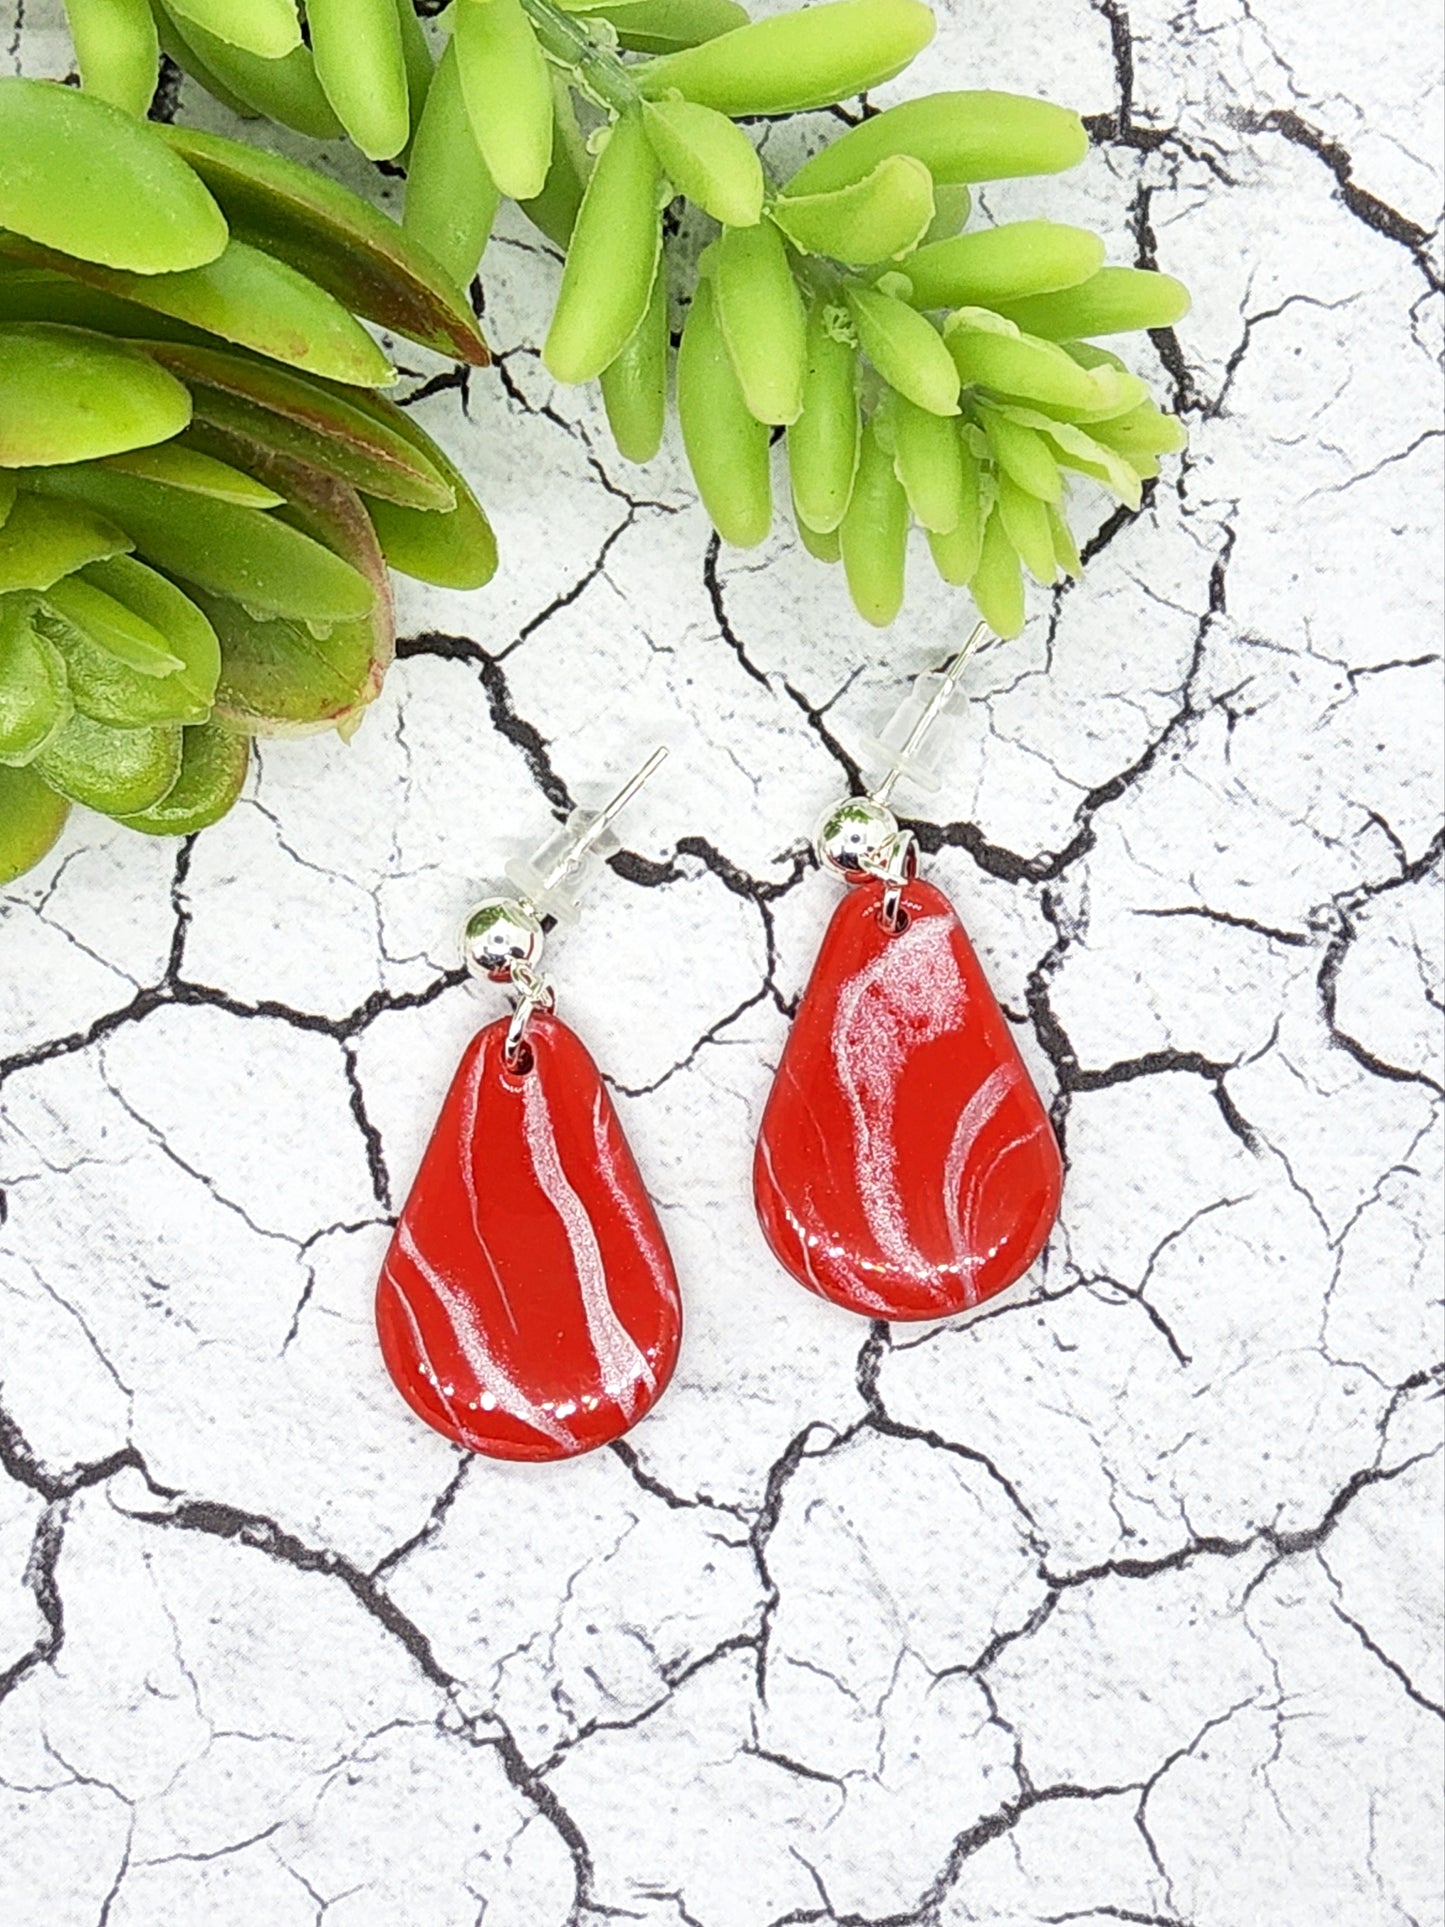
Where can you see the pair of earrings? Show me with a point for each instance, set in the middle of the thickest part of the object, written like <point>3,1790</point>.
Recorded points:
<point>905,1168</point>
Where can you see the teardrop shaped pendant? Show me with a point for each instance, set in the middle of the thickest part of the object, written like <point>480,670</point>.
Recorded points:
<point>905,1167</point>
<point>528,1307</point>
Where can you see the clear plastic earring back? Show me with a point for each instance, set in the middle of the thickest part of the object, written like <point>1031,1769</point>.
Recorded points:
<point>911,748</point>
<point>553,878</point>
<point>905,753</point>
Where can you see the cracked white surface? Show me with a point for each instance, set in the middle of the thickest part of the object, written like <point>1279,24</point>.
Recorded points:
<point>1118,1601</point>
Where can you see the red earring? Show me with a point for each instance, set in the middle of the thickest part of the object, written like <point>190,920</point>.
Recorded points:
<point>905,1166</point>
<point>528,1307</point>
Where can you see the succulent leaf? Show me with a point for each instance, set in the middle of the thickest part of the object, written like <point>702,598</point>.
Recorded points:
<point>34,697</point>
<point>42,541</point>
<point>213,768</point>
<point>32,815</point>
<point>68,396</point>
<point>245,553</point>
<point>331,235</point>
<point>115,771</point>
<point>154,215</point>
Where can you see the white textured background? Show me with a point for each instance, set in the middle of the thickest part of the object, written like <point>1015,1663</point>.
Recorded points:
<point>1118,1602</point>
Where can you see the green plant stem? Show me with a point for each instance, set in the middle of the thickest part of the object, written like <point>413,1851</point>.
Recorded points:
<point>598,71</point>
<point>594,66</point>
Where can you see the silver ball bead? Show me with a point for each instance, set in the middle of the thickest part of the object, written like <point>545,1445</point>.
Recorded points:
<point>854,836</point>
<point>499,933</point>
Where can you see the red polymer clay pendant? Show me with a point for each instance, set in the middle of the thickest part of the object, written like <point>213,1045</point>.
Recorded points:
<point>906,1167</point>
<point>528,1306</point>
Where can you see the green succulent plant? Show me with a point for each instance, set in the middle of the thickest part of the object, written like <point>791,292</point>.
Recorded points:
<point>918,372</point>
<point>923,375</point>
<point>200,485</point>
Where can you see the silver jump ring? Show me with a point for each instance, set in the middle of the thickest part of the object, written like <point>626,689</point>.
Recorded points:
<point>534,994</point>
<point>897,874</point>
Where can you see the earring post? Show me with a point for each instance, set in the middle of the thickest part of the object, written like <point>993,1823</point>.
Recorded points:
<point>609,811</point>
<point>937,703</point>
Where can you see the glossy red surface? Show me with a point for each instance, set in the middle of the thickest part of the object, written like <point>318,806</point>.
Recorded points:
<point>906,1167</point>
<point>528,1306</point>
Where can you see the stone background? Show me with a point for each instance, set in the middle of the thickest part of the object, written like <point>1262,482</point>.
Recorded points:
<point>1117,1602</point>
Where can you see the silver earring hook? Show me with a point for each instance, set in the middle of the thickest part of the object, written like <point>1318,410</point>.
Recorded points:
<point>860,837</point>
<point>503,937</point>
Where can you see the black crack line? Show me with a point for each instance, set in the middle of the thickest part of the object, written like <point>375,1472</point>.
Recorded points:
<point>370,1136</point>
<point>713,584</point>
<point>1433,1376</point>
<point>303,1253</point>
<point>673,1678</point>
<point>741,883</point>
<point>1391,1666</point>
<point>814,715</point>
<point>535,750</point>
<point>574,593</point>
<point>575,431</point>
<point>121,1871</point>
<point>881,1421</point>
<point>1135,1295</point>
<point>1129,1914</point>
<point>524,736</point>
<point>1121,47</point>
<point>1119,518</point>
<point>1392,460</point>
<point>431,1525</point>
<point>1053,1038</point>
<point>217,1520</point>
<point>1356,676</point>
<point>1074,1079</point>
<point>978,1668</point>
<point>20,1463</point>
<point>1346,910</point>
<point>670,1895</point>
<point>217,1853</point>
<point>57,1489</point>
<point>1166,342</point>
<point>1279,1546</point>
<point>1120,128</point>
<point>458,377</point>
<point>1140,1293</point>
<point>1214,408</point>
<point>180,910</point>
<point>177,990</point>
<point>996,1825</point>
<point>753,1750</point>
<point>187,995</point>
<point>626,1453</point>
<point>1376,214</point>
<point>712,1035</point>
<point>1161,1063</point>
<point>761,892</point>
<point>1049,866</point>
<point>40,1578</point>
<point>800,1447</point>
<point>1295,939</point>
